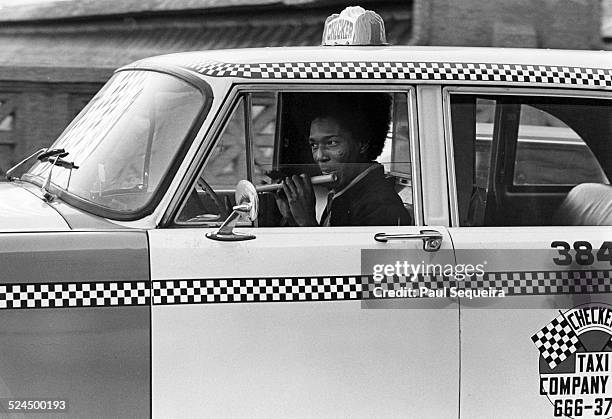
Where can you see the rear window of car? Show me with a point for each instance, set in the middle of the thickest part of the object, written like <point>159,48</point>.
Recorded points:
<point>526,149</point>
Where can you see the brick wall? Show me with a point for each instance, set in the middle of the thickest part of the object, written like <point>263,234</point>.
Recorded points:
<point>39,112</point>
<point>568,24</point>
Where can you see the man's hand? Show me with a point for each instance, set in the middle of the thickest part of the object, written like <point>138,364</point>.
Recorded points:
<point>283,207</point>
<point>300,200</point>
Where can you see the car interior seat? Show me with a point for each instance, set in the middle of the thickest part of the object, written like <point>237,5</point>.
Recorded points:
<point>587,204</point>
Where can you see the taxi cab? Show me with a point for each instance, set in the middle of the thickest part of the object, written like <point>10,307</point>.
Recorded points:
<point>145,268</point>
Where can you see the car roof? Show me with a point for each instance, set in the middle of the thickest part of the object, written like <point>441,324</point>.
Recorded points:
<point>514,65</point>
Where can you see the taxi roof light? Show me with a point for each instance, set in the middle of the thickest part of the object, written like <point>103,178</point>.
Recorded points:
<point>354,26</point>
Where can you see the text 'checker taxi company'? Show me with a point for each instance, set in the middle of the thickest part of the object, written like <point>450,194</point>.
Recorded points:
<point>355,230</point>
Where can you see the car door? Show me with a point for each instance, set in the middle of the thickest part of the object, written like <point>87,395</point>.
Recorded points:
<point>522,165</point>
<point>288,323</point>
<point>75,324</point>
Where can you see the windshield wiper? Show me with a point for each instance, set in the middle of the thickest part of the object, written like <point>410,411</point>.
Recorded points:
<point>55,156</point>
<point>44,155</point>
<point>52,152</point>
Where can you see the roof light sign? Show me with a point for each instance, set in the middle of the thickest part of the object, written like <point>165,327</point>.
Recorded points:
<point>354,26</point>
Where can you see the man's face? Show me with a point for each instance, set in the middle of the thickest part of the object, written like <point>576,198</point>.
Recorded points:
<point>335,150</point>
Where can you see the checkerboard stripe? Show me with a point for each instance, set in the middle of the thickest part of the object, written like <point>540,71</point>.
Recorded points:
<point>556,341</point>
<point>67,294</point>
<point>246,290</point>
<point>405,70</point>
<point>257,290</point>
<point>332,288</point>
<point>545,283</point>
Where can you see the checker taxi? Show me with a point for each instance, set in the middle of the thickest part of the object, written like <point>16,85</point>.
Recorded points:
<point>208,238</point>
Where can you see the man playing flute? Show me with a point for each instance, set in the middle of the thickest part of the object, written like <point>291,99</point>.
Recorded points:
<point>347,134</point>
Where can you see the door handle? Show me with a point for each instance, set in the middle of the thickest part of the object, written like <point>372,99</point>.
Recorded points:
<point>432,239</point>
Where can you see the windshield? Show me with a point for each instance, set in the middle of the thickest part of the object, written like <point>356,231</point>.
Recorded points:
<point>125,140</point>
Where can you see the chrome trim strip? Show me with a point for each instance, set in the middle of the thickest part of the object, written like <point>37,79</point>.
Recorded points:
<point>415,156</point>
<point>450,158</point>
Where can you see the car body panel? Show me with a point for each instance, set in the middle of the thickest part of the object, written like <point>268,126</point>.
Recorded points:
<point>76,219</point>
<point>497,352</point>
<point>263,327</point>
<point>75,321</point>
<point>20,210</point>
<point>525,56</point>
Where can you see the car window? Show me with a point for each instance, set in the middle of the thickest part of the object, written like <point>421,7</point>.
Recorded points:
<point>266,138</point>
<point>227,163</point>
<point>517,157</point>
<point>549,152</point>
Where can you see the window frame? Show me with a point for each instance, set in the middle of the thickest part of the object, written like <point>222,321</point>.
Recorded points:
<point>225,111</point>
<point>447,91</point>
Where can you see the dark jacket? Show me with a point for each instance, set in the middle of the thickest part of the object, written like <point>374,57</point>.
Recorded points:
<point>372,201</point>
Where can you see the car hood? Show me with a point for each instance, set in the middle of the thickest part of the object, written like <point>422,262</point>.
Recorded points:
<point>21,210</point>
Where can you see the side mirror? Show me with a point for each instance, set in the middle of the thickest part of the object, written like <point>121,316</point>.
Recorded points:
<point>247,206</point>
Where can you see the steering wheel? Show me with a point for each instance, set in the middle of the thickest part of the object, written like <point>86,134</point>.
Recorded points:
<point>223,211</point>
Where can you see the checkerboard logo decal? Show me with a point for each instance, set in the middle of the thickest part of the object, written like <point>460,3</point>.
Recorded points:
<point>576,361</point>
<point>556,341</point>
<point>406,70</point>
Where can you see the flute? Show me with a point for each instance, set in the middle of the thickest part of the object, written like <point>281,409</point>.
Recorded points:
<point>315,180</point>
